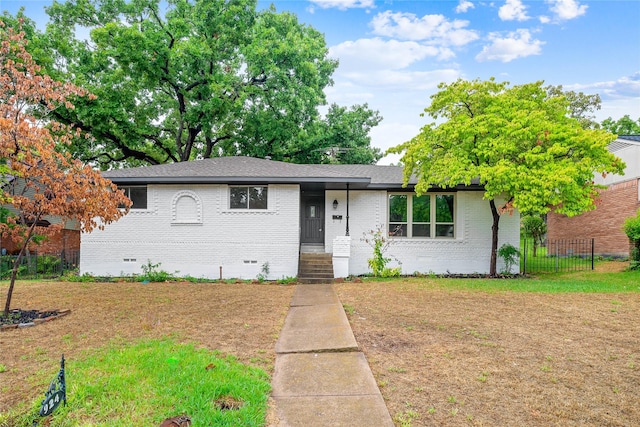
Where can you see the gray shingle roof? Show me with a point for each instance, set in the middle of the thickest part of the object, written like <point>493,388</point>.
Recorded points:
<point>630,137</point>
<point>381,176</point>
<point>234,169</point>
<point>237,170</point>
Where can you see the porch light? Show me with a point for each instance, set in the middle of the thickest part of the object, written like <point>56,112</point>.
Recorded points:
<point>335,204</point>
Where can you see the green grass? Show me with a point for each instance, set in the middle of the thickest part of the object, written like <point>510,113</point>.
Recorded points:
<point>146,382</point>
<point>583,281</point>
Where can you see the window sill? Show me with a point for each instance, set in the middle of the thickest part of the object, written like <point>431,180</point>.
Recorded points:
<point>247,211</point>
<point>139,211</point>
<point>425,239</point>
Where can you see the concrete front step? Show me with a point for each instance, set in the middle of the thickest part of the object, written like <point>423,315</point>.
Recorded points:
<point>316,260</point>
<point>315,268</point>
<point>314,280</point>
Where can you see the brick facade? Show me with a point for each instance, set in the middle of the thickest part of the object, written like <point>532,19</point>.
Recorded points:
<point>468,252</point>
<point>189,229</point>
<point>65,239</point>
<point>604,224</point>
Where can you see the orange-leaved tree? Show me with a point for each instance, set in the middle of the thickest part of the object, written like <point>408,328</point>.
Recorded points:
<point>37,179</point>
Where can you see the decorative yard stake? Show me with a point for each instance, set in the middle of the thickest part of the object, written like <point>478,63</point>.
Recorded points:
<point>56,393</point>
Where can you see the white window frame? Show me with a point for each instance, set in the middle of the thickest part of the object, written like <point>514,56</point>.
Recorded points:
<point>432,216</point>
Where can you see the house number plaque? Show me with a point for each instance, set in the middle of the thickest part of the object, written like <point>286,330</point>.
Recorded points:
<point>56,393</point>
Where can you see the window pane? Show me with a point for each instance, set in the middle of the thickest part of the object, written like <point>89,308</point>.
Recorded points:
<point>421,230</point>
<point>397,208</point>
<point>238,197</point>
<point>421,208</point>
<point>138,196</point>
<point>257,197</point>
<point>443,230</point>
<point>444,208</point>
<point>397,230</point>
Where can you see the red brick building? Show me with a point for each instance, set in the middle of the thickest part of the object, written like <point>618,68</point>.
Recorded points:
<point>66,239</point>
<point>620,200</point>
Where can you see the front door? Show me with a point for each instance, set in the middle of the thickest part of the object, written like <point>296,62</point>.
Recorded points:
<point>312,220</point>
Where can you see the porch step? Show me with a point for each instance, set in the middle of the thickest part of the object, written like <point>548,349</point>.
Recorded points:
<point>312,248</point>
<point>315,268</point>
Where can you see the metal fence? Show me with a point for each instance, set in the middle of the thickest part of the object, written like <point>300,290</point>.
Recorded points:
<point>40,266</point>
<point>556,255</point>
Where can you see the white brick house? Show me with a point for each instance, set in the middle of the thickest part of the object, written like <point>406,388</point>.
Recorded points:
<point>227,217</point>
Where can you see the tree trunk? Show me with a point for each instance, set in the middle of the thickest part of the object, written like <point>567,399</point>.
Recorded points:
<point>16,266</point>
<point>494,238</point>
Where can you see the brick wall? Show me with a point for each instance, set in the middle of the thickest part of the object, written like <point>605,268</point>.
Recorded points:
<point>190,230</point>
<point>65,239</point>
<point>469,252</point>
<point>604,224</point>
<point>198,235</point>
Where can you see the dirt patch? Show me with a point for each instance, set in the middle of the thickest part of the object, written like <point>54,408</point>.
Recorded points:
<point>239,319</point>
<point>440,357</point>
<point>453,358</point>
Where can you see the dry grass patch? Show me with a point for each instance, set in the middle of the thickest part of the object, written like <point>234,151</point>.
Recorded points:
<point>464,357</point>
<point>239,319</point>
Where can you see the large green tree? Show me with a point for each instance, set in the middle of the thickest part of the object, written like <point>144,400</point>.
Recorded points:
<point>180,80</point>
<point>526,145</point>
<point>623,126</point>
<point>341,136</point>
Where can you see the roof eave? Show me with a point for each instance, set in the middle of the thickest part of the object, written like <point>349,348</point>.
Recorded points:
<point>227,180</point>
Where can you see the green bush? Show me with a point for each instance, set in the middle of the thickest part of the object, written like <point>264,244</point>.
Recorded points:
<point>378,240</point>
<point>73,276</point>
<point>151,273</point>
<point>632,230</point>
<point>509,255</point>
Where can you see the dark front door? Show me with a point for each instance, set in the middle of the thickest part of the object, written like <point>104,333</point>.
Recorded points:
<point>312,220</point>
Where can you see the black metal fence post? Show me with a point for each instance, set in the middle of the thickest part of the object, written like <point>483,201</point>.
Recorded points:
<point>524,257</point>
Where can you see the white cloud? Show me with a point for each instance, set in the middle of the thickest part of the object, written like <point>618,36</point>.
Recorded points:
<point>344,4</point>
<point>387,135</point>
<point>567,9</point>
<point>518,44</point>
<point>429,28</point>
<point>544,19</point>
<point>412,80</point>
<point>367,54</point>
<point>624,87</point>
<point>464,6</point>
<point>620,97</point>
<point>344,92</point>
<point>513,10</point>
<point>364,81</point>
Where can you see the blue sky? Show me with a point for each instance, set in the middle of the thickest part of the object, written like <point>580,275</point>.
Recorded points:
<point>394,53</point>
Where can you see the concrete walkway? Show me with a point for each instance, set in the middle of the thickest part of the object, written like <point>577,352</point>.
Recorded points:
<point>320,377</point>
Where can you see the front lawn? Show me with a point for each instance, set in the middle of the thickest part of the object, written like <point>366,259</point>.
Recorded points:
<point>557,349</point>
<point>138,353</point>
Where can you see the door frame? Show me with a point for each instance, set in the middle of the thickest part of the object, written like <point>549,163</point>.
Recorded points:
<point>305,199</point>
